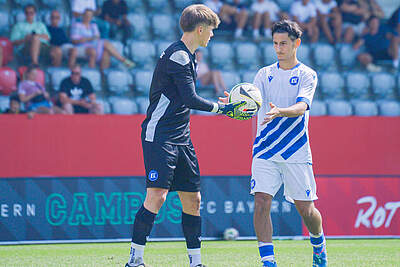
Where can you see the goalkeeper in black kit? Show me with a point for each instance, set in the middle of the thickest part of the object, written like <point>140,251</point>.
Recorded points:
<point>169,157</point>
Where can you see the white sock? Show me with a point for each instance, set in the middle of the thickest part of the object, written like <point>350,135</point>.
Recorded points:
<point>256,34</point>
<point>136,255</point>
<point>194,256</point>
<point>238,32</point>
<point>267,32</point>
<point>396,63</point>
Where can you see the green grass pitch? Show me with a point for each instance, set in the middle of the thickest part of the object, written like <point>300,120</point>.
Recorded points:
<point>348,253</point>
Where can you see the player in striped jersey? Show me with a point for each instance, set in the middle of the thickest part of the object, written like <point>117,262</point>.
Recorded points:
<point>281,151</point>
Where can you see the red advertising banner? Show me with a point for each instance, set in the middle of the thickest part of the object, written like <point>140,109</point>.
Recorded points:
<point>353,206</point>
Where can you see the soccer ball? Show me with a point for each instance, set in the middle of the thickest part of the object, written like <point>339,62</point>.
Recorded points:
<point>246,92</point>
<point>231,234</point>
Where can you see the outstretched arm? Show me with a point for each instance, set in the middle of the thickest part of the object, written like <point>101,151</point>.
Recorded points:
<point>295,110</point>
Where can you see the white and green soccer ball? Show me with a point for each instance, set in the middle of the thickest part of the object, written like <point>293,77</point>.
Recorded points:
<point>231,234</point>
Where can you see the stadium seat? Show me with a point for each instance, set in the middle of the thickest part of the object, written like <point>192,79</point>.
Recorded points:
<point>120,48</point>
<point>123,106</point>
<point>332,84</point>
<point>222,55</point>
<point>269,54</point>
<point>324,56</point>
<point>94,76</point>
<point>383,85</point>
<point>143,80</point>
<point>17,15</point>
<point>4,103</point>
<point>348,56</point>
<point>140,24</point>
<point>303,54</point>
<point>285,4</point>
<point>8,80</point>
<point>157,5</point>
<point>339,108</point>
<point>8,50</point>
<point>40,78</point>
<point>181,4</point>
<point>248,76</point>
<point>389,108</point>
<point>118,81</point>
<point>357,84</point>
<point>230,78</point>
<point>247,55</point>
<point>142,53</point>
<point>143,103</point>
<point>4,23</point>
<point>52,4</point>
<point>57,75</point>
<point>23,3</point>
<point>365,108</point>
<point>135,5</point>
<point>106,105</point>
<point>164,27</point>
<point>318,108</point>
<point>161,46</point>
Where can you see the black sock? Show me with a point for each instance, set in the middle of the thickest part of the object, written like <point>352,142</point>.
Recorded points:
<point>142,226</point>
<point>191,226</point>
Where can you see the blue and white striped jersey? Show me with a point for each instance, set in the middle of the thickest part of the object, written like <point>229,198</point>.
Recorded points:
<point>284,139</point>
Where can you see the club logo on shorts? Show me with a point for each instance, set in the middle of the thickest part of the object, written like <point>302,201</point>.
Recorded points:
<point>294,80</point>
<point>153,175</point>
<point>308,191</point>
<point>252,183</point>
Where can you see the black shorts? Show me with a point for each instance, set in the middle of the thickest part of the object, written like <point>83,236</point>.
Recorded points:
<point>173,167</point>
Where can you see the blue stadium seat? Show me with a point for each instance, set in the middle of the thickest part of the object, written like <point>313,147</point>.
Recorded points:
<point>17,15</point>
<point>357,84</point>
<point>118,81</point>
<point>120,48</point>
<point>4,23</point>
<point>143,104</point>
<point>318,108</point>
<point>161,46</point>
<point>94,76</point>
<point>389,108</point>
<point>222,55</point>
<point>123,106</point>
<point>141,26</point>
<point>157,5</point>
<point>143,80</point>
<point>348,56</point>
<point>106,105</point>
<point>249,76</point>
<point>383,85</point>
<point>303,54</point>
<point>230,78</point>
<point>331,84</point>
<point>23,3</point>
<point>57,75</point>
<point>181,4</point>
<point>365,108</point>
<point>339,108</point>
<point>247,55</point>
<point>285,4</point>
<point>142,53</point>
<point>135,5</point>
<point>269,54</point>
<point>4,103</point>
<point>164,27</point>
<point>324,56</point>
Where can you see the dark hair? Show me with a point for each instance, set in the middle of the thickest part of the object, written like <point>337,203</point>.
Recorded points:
<point>292,28</point>
<point>30,6</point>
<point>15,97</point>
<point>194,15</point>
<point>371,18</point>
<point>29,69</point>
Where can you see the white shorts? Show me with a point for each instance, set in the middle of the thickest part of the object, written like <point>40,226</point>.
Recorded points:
<point>297,178</point>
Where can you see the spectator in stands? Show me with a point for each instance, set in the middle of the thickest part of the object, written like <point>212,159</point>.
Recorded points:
<point>78,7</point>
<point>113,12</point>
<point>380,44</point>
<point>230,14</point>
<point>15,105</point>
<point>59,41</point>
<point>353,17</point>
<point>394,21</point>
<point>328,15</point>
<point>304,13</point>
<point>266,12</point>
<point>86,36</point>
<point>34,95</point>
<point>373,8</point>
<point>31,36</point>
<point>205,76</point>
<point>77,95</point>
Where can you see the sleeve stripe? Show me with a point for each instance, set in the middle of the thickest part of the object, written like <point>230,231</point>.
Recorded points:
<point>305,100</point>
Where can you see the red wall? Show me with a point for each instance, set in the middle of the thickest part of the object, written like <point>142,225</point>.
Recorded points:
<point>89,145</point>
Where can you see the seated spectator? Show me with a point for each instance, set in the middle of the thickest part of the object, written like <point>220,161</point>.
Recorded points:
<point>304,13</point>
<point>30,36</point>
<point>85,35</point>
<point>15,105</point>
<point>77,95</point>
<point>380,44</point>
<point>394,21</point>
<point>265,12</point>
<point>230,14</point>
<point>373,8</point>
<point>328,15</point>
<point>34,95</point>
<point>113,13</point>
<point>59,42</point>
<point>78,7</point>
<point>353,17</point>
<point>205,76</point>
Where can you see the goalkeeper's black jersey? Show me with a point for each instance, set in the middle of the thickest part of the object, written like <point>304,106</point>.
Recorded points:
<point>172,95</point>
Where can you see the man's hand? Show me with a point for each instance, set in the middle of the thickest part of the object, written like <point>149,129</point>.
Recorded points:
<point>232,110</point>
<point>271,114</point>
<point>224,100</point>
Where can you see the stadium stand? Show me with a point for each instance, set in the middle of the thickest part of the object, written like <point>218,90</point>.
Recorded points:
<point>8,50</point>
<point>383,85</point>
<point>365,108</point>
<point>8,80</point>
<point>357,84</point>
<point>339,108</point>
<point>123,106</point>
<point>119,81</point>
<point>389,108</point>
<point>318,108</point>
<point>56,76</point>
<point>143,81</point>
<point>94,77</point>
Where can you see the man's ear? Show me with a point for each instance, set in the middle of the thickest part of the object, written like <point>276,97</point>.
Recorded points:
<point>297,43</point>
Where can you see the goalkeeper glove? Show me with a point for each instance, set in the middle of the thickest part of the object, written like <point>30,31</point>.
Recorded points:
<point>232,111</point>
